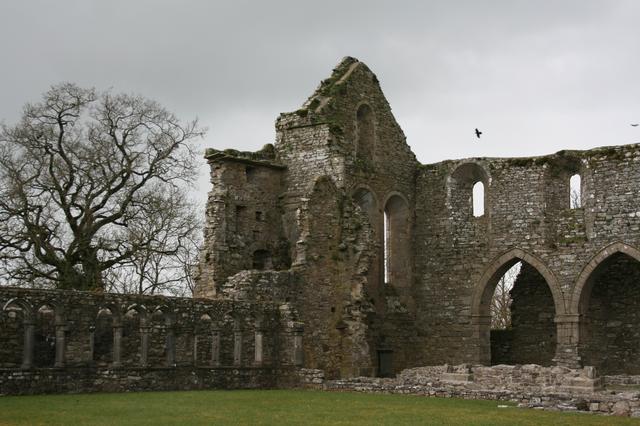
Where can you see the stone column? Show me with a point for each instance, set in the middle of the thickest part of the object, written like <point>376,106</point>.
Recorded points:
<point>194,358</point>
<point>117,346</point>
<point>60,345</point>
<point>171,347</point>
<point>237,345</point>
<point>27,348</point>
<point>298,355</point>
<point>215,348</point>
<point>144,345</point>
<point>481,337</point>
<point>258,345</point>
<point>568,332</point>
<point>92,345</point>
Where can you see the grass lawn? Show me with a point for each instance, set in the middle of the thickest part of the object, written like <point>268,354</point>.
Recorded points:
<point>276,407</point>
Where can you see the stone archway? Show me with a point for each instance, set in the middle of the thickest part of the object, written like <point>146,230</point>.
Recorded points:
<point>606,299</point>
<point>481,300</point>
<point>579,292</point>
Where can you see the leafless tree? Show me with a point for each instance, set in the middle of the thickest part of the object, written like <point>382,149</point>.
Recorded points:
<point>90,182</point>
<point>576,200</point>
<point>152,271</point>
<point>501,301</point>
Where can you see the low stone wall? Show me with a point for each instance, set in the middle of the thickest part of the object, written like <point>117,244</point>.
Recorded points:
<point>87,380</point>
<point>71,341</point>
<point>622,380</point>
<point>529,378</point>
<point>529,386</point>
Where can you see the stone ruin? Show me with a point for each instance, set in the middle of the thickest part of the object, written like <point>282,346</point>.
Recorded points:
<point>335,250</point>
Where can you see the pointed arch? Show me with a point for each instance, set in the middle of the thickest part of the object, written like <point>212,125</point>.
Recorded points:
<point>140,309</point>
<point>482,292</point>
<point>582,288</point>
<point>167,313</point>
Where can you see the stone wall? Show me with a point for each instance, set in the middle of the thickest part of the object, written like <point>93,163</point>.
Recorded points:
<point>243,228</point>
<point>527,217</point>
<point>387,262</point>
<point>611,334</point>
<point>79,341</point>
<point>530,386</point>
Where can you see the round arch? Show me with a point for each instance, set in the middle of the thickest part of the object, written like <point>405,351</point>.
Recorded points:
<point>25,306</point>
<point>361,190</point>
<point>470,171</point>
<point>114,308</point>
<point>581,288</point>
<point>392,194</point>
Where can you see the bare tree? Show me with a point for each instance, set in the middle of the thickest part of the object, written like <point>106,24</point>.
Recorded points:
<point>88,182</point>
<point>152,271</point>
<point>576,200</point>
<point>501,301</point>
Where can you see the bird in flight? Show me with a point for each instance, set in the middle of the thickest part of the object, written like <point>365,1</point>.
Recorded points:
<point>635,125</point>
<point>478,133</point>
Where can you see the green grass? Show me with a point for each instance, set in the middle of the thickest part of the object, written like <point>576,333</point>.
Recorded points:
<point>277,407</point>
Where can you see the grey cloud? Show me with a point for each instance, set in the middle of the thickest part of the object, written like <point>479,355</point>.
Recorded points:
<point>536,77</point>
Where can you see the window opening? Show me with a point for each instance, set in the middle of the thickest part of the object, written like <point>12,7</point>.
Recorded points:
<point>386,247</point>
<point>575,192</point>
<point>478,199</point>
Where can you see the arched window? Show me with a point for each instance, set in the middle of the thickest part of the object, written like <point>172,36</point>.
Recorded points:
<point>575,192</point>
<point>45,337</point>
<point>469,188</point>
<point>387,276</point>
<point>368,204</point>
<point>397,243</point>
<point>365,131</point>
<point>103,338</point>
<point>478,199</point>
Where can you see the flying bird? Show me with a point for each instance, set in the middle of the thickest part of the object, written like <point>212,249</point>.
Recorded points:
<point>635,125</point>
<point>478,133</point>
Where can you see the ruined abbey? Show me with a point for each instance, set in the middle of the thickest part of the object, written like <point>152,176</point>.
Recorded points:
<point>334,249</point>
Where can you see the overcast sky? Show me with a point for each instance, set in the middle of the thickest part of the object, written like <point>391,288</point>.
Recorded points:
<point>535,76</point>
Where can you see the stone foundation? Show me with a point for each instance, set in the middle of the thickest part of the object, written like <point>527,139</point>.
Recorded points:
<point>531,386</point>
<point>87,380</point>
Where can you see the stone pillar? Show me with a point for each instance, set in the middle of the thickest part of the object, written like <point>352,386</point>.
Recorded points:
<point>194,358</point>
<point>481,337</point>
<point>117,346</point>
<point>237,345</point>
<point>144,345</point>
<point>215,348</point>
<point>27,348</point>
<point>171,347</point>
<point>60,345</point>
<point>258,345</point>
<point>298,354</point>
<point>92,345</point>
<point>568,331</point>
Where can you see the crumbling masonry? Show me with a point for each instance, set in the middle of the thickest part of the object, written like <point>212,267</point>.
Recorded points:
<point>303,221</point>
<point>335,250</point>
